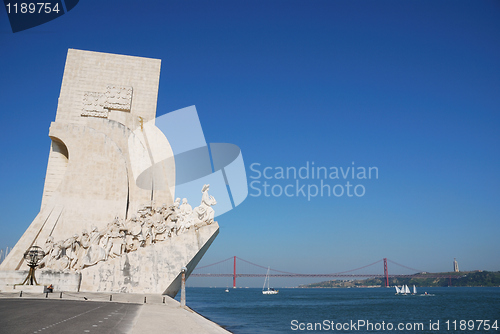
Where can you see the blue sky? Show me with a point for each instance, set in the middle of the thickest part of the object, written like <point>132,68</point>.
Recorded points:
<point>411,87</point>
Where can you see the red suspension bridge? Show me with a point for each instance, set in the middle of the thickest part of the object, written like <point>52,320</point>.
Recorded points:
<point>227,268</point>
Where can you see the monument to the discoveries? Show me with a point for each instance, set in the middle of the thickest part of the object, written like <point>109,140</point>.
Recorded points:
<point>109,220</point>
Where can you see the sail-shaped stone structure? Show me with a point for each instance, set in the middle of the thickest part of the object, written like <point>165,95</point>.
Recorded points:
<point>109,220</point>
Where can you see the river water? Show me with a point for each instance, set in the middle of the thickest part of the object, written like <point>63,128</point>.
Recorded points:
<point>359,310</point>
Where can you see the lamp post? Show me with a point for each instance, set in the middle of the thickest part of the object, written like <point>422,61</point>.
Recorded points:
<point>183,287</point>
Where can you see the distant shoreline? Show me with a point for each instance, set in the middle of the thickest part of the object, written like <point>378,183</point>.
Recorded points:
<point>445,279</point>
<point>390,287</point>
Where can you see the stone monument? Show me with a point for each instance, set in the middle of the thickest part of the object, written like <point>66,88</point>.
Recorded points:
<point>109,222</point>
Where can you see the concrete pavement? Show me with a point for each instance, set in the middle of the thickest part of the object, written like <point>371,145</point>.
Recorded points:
<point>134,314</point>
<point>25,315</point>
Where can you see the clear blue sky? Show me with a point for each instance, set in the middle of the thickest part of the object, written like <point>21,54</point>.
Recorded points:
<point>411,87</point>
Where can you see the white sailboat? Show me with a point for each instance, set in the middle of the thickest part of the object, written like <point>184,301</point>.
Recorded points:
<point>404,290</point>
<point>269,291</point>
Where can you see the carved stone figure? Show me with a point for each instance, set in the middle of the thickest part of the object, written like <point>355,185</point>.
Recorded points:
<point>160,213</point>
<point>172,212</point>
<point>205,212</point>
<point>71,248</point>
<point>115,239</point>
<point>49,246</point>
<point>185,218</point>
<point>58,260</point>
<point>134,237</point>
<point>185,208</point>
<point>147,210</point>
<point>159,229</point>
<point>84,246</point>
<point>152,226</point>
<point>96,252</point>
<point>148,232</point>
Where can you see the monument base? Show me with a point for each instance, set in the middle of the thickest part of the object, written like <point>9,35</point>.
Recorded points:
<point>155,269</point>
<point>61,281</point>
<point>152,269</point>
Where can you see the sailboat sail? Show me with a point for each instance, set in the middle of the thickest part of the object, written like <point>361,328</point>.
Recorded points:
<point>268,291</point>
<point>405,290</point>
<point>266,280</point>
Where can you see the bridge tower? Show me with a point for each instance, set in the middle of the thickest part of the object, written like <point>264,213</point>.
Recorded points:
<point>386,273</point>
<point>234,273</point>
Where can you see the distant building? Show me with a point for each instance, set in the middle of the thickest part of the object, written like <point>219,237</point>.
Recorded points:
<point>455,265</point>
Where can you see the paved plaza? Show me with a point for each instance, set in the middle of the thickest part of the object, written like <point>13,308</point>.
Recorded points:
<point>95,313</point>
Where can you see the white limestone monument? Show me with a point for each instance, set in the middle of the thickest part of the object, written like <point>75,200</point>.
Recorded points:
<point>109,219</point>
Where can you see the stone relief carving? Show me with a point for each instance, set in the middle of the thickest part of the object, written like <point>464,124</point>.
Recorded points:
<point>93,105</point>
<point>151,225</point>
<point>118,98</point>
<point>98,104</point>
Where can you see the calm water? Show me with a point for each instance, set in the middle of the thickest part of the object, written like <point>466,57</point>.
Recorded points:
<point>247,311</point>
